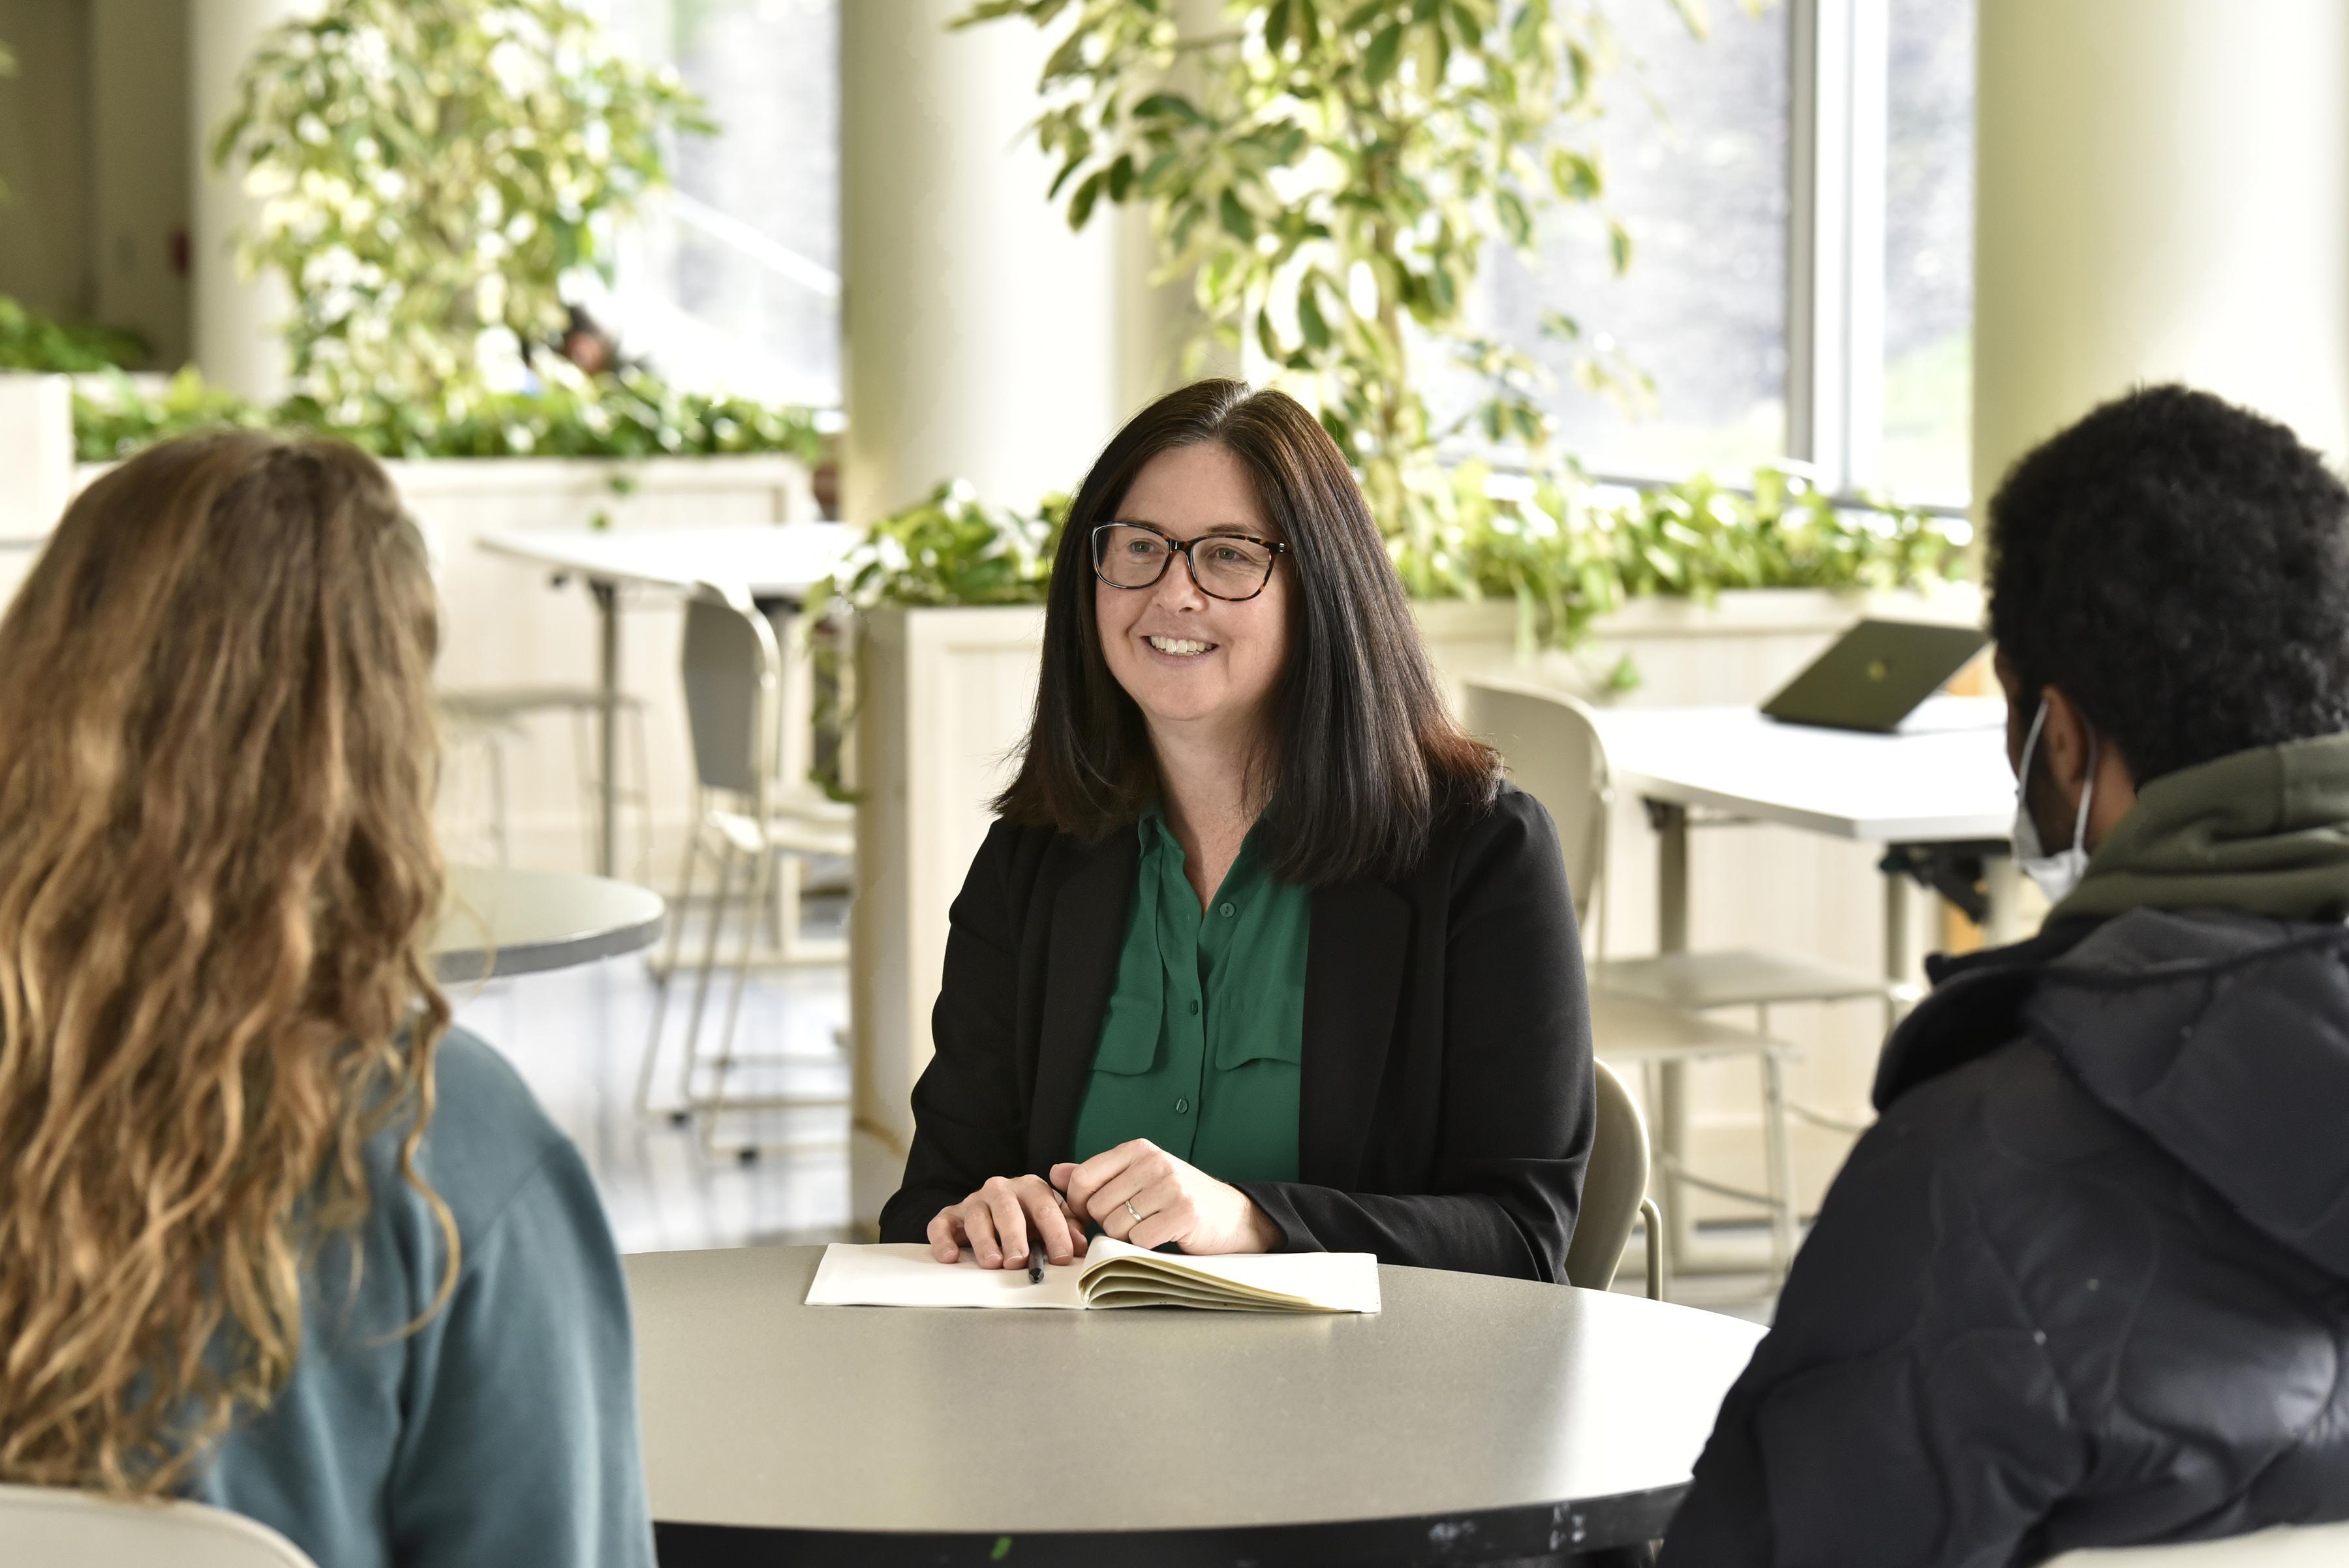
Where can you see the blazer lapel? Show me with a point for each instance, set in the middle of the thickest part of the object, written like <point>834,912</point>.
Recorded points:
<point>1353,977</point>
<point>1088,931</point>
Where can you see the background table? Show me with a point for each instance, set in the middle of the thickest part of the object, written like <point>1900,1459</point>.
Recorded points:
<point>498,922</point>
<point>778,566</point>
<point>1941,780</point>
<point>1937,795</point>
<point>1474,1419</point>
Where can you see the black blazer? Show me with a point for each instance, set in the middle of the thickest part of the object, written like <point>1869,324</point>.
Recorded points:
<point>1446,1107</point>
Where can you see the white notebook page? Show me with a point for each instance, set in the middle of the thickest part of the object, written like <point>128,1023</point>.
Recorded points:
<point>906,1274</point>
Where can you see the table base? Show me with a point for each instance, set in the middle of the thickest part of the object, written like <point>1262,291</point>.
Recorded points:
<point>1611,1534</point>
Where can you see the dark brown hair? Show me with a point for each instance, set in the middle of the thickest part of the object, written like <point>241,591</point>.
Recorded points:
<point>1366,757</point>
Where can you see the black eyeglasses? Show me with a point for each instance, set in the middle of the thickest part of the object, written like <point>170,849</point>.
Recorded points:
<point>1234,567</point>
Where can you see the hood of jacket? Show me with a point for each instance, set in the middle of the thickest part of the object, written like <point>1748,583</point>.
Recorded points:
<point>2263,832</point>
<point>2197,985</point>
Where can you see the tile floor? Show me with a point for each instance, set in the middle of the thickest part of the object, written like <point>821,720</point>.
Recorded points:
<point>578,1035</point>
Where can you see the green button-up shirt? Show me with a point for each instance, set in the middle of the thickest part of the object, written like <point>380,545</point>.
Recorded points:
<point>1201,1046</point>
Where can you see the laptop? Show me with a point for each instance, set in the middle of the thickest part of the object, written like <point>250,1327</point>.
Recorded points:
<point>1875,675</point>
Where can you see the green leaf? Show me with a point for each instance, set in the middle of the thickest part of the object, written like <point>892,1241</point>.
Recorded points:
<point>1574,175</point>
<point>1069,60</point>
<point>1266,339</point>
<point>1121,177</point>
<point>1514,217</point>
<point>1080,205</point>
<point>1168,106</point>
<point>1618,247</point>
<point>1276,26</point>
<point>1379,60</point>
<point>1310,321</point>
<point>1237,221</point>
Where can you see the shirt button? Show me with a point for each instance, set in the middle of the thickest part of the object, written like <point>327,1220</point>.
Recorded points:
<point>1181,1107</point>
<point>1195,1010</point>
<point>1226,911</point>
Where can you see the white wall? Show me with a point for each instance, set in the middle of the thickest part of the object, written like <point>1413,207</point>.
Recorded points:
<point>45,156</point>
<point>139,189</point>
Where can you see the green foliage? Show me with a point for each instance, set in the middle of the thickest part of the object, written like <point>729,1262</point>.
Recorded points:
<point>952,550</point>
<point>1328,172</point>
<point>31,341</point>
<point>1560,554</point>
<point>429,170</point>
<point>627,416</point>
<point>1566,557</point>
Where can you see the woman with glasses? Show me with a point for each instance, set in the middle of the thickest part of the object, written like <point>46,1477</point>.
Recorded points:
<point>1262,953</point>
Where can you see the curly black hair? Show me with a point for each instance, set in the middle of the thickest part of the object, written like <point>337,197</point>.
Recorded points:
<point>2180,567</point>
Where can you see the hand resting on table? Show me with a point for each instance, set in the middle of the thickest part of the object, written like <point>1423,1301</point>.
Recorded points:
<point>1136,1192</point>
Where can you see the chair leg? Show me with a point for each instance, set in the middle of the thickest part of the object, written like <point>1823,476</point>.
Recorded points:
<point>675,944</point>
<point>1651,1220</point>
<point>726,858</point>
<point>497,758</point>
<point>1778,1148</point>
<point>762,873</point>
<point>644,787</point>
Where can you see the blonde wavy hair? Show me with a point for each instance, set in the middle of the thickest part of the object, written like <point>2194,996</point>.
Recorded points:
<point>217,872</point>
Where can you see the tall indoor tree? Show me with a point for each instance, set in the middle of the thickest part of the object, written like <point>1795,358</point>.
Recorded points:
<point>1329,173</point>
<point>430,170</point>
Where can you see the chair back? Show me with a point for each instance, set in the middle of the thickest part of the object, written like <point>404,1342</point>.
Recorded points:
<point>1551,745</point>
<point>733,675</point>
<point>2284,1546</point>
<point>1612,1187</point>
<point>61,1529</point>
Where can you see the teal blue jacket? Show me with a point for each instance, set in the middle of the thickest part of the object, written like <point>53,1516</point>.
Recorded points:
<point>501,1432</point>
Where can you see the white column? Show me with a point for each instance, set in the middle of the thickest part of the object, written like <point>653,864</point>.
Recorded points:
<point>237,321</point>
<point>2163,195</point>
<point>981,336</point>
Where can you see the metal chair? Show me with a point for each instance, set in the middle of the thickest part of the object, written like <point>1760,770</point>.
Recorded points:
<point>492,718</point>
<point>749,818</point>
<point>1648,1010</point>
<point>1614,1194</point>
<point>1553,746</point>
<point>2283,1546</point>
<point>57,1527</point>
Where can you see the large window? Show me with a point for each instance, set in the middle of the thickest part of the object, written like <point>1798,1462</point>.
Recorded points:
<point>1693,147</point>
<point>734,282</point>
<point>1928,247</point>
<point>1799,187</point>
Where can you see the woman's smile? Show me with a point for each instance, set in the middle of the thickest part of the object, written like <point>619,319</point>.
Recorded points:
<point>1178,651</point>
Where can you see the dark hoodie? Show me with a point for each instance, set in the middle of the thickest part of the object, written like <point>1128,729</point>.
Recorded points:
<point>2086,1282</point>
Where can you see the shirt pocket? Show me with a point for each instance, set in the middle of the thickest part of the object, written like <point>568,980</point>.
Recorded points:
<point>1136,1014</point>
<point>1271,1028</point>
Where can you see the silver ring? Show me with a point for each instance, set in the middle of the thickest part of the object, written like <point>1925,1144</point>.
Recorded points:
<point>1129,1209</point>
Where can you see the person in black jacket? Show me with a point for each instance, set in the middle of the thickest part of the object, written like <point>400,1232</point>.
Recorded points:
<point>1262,953</point>
<point>2086,1281</point>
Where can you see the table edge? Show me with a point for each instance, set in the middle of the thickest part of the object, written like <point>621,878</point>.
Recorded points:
<point>462,965</point>
<point>1478,1535</point>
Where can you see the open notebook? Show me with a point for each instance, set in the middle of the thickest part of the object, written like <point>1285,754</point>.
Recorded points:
<point>1110,1274</point>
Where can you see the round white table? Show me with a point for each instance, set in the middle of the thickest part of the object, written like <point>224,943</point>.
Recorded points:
<point>496,921</point>
<point>1474,1419</point>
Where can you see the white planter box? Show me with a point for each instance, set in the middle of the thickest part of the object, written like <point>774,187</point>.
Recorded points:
<point>37,453</point>
<point>947,694</point>
<point>505,624</point>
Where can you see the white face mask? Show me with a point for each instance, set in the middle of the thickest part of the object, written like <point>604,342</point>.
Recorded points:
<point>2059,872</point>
